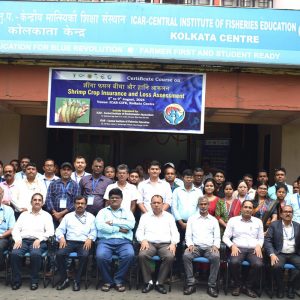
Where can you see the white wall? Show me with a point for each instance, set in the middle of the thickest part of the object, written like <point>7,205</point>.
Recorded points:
<point>291,150</point>
<point>286,4</point>
<point>9,137</point>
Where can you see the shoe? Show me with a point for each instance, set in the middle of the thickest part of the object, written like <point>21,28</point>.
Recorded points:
<point>291,292</point>
<point>63,285</point>
<point>147,287</point>
<point>15,286</point>
<point>120,288</point>
<point>189,290</point>
<point>249,293</point>
<point>213,292</point>
<point>34,286</point>
<point>76,286</point>
<point>105,287</point>
<point>235,291</point>
<point>280,293</point>
<point>160,288</point>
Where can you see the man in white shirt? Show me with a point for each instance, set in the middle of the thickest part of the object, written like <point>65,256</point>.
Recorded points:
<point>9,186</point>
<point>154,186</point>
<point>26,188</point>
<point>158,235</point>
<point>30,234</point>
<point>130,192</point>
<point>244,235</point>
<point>49,172</point>
<point>80,166</point>
<point>202,239</point>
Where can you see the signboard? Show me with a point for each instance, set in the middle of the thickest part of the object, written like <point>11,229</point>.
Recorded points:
<point>150,32</point>
<point>121,100</point>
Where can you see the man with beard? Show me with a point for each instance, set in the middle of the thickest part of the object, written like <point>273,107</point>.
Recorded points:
<point>202,239</point>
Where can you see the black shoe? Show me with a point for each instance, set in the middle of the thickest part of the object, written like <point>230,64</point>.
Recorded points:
<point>160,288</point>
<point>76,286</point>
<point>189,290</point>
<point>147,287</point>
<point>15,286</point>
<point>291,293</point>
<point>34,286</point>
<point>213,292</point>
<point>280,293</point>
<point>250,293</point>
<point>63,285</point>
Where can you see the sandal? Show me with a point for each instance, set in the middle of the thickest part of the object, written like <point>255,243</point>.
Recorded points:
<point>120,287</point>
<point>105,287</point>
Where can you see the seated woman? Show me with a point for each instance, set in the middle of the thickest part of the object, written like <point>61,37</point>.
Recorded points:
<point>264,208</point>
<point>227,207</point>
<point>209,191</point>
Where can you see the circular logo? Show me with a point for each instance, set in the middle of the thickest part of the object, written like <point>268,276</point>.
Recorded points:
<point>174,114</point>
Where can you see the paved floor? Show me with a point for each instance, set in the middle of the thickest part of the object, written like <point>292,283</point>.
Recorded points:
<point>24,293</point>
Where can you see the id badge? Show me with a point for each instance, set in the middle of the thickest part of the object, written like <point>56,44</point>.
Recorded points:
<point>90,200</point>
<point>63,203</point>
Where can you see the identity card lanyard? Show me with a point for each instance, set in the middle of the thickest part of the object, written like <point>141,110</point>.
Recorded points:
<point>92,197</point>
<point>63,199</point>
<point>292,235</point>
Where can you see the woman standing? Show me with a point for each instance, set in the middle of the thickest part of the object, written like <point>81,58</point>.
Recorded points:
<point>209,191</point>
<point>227,207</point>
<point>264,208</point>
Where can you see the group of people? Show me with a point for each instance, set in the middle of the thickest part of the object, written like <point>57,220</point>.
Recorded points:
<point>184,217</point>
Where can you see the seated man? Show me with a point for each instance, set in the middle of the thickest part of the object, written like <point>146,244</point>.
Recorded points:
<point>7,222</point>
<point>158,235</point>
<point>30,233</point>
<point>114,229</point>
<point>75,233</point>
<point>282,246</point>
<point>244,235</point>
<point>202,239</point>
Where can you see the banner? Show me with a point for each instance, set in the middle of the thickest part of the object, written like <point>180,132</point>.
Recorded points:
<point>149,32</point>
<point>121,100</point>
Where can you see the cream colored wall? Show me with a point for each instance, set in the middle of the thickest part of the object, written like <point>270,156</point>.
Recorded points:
<point>286,4</point>
<point>291,150</point>
<point>9,137</point>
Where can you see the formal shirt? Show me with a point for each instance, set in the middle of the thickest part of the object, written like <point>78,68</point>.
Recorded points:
<point>157,229</point>
<point>24,192</point>
<point>77,178</point>
<point>272,192</point>
<point>288,238</point>
<point>294,202</point>
<point>148,189</point>
<point>90,186</point>
<point>202,231</point>
<point>48,181</point>
<point>33,226</point>
<point>185,202</point>
<point>21,176</point>
<point>58,191</point>
<point>10,191</point>
<point>77,228</point>
<point>7,218</point>
<point>130,193</point>
<point>120,218</point>
<point>244,234</point>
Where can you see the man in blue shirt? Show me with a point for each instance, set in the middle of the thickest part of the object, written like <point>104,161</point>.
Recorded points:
<point>61,194</point>
<point>294,202</point>
<point>280,176</point>
<point>114,229</point>
<point>7,222</point>
<point>75,233</point>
